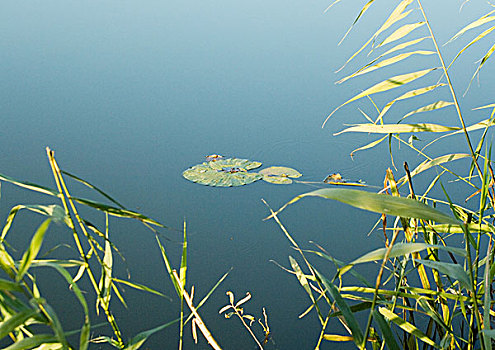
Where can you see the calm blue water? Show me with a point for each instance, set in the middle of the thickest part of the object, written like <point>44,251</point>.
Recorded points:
<point>130,94</point>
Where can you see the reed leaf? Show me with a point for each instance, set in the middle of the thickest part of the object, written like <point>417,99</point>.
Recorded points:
<point>137,341</point>
<point>475,40</point>
<point>431,107</point>
<point>139,286</point>
<point>403,46</point>
<point>369,145</point>
<point>351,322</point>
<point>378,203</point>
<point>34,342</point>
<point>400,249</point>
<point>397,128</point>
<point>387,334</point>
<point>8,325</point>
<point>31,253</point>
<point>409,94</point>
<point>479,22</point>
<point>400,33</point>
<point>385,85</point>
<point>483,60</point>
<point>406,326</point>
<point>29,185</point>
<point>384,63</point>
<point>454,271</point>
<point>363,10</point>
<point>428,164</point>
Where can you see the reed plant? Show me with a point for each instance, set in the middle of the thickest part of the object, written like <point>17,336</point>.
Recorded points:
<point>429,291</point>
<point>27,321</point>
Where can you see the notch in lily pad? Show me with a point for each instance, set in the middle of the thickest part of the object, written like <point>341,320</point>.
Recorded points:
<point>224,172</point>
<point>280,175</point>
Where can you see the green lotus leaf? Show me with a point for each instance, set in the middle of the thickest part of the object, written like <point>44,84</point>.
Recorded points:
<point>280,171</point>
<point>228,163</point>
<point>278,180</point>
<point>204,174</point>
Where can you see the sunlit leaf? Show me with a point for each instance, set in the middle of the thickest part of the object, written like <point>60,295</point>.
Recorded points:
<point>397,128</point>
<point>431,107</point>
<point>401,32</point>
<point>454,271</point>
<point>369,145</point>
<point>385,85</point>
<point>29,185</point>
<point>33,342</point>
<point>33,249</point>
<point>406,326</point>
<point>480,21</point>
<point>378,203</point>
<point>384,63</point>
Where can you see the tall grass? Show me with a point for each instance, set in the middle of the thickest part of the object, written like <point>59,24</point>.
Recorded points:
<point>428,291</point>
<point>27,319</point>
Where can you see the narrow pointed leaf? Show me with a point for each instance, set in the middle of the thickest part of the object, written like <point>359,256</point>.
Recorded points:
<point>137,341</point>
<point>385,85</point>
<point>369,145</point>
<point>33,342</point>
<point>454,271</point>
<point>363,10</point>
<point>480,21</point>
<point>387,334</point>
<point>29,185</point>
<point>33,249</point>
<point>428,164</point>
<point>403,46</point>
<point>357,334</point>
<point>378,203</point>
<point>385,63</point>
<point>10,324</point>
<point>397,128</point>
<point>401,32</point>
<point>475,40</point>
<point>406,326</point>
<point>430,107</point>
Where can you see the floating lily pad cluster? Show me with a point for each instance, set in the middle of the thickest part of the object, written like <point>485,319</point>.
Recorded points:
<point>227,172</point>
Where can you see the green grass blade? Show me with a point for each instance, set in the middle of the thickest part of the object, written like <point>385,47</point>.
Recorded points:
<point>369,145</point>
<point>385,85</point>
<point>183,262</point>
<point>124,213</point>
<point>403,46</point>
<point>10,324</point>
<point>378,203</point>
<point>351,321</point>
<point>137,341</point>
<point>406,326</point>
<point>363,10</point>
<point>483,60</point>
<point>29,185</point>
<point>454,271</point>
<point>428,164</point>
<point>397,128</point>
<point>94,188</point>
<point>175,282</point>
<point>33,249</point>
<point>386,331</point>
<point>33,342</point>
<point>140,287</point>
<point>479,37</point>
<point>400,249</point>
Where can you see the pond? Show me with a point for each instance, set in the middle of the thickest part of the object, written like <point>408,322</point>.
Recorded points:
<point>131,94</point>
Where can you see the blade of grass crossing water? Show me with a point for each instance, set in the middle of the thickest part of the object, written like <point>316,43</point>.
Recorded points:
<point>33,342</point>
<point>387,334</point>
<point>182,282</point>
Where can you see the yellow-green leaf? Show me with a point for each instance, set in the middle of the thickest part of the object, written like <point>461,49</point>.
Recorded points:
<point>397,128</point>
<point>401,32</point>
<point>431,107</point>
<point>385,85</point>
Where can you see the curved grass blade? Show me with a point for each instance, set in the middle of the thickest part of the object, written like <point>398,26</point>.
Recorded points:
<point>431,107</point>
<point>403,46</point>
<point>363,10</point>
<point>33,342</point>
<point>114,201</point>
<point>397,128</point>
<point>378,203</point>
<point>8,325</point>
<point>396,15</point>
<point>483,60</point>
<point>385,85</point>
<point>136,342</point>
<point>351,321</point>
<point>29,185</point>
<point>124,213</point>
<point>479,37</point>
<point>408,94</point>
<point>369,145</point>
<point>384,63</point>
<point>400,33</point>
<point>400,249</point>
<point>428,164</point>
<point>33,249</point>
<point>454,271</point>
<point>140,287</point>
<point>406,326</point>
<point>479,22</point>
<point>386,331</point>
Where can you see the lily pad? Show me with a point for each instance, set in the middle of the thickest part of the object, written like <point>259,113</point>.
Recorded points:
<point>279,175</point>
<point>228,174</point>
<point>227,163</point>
